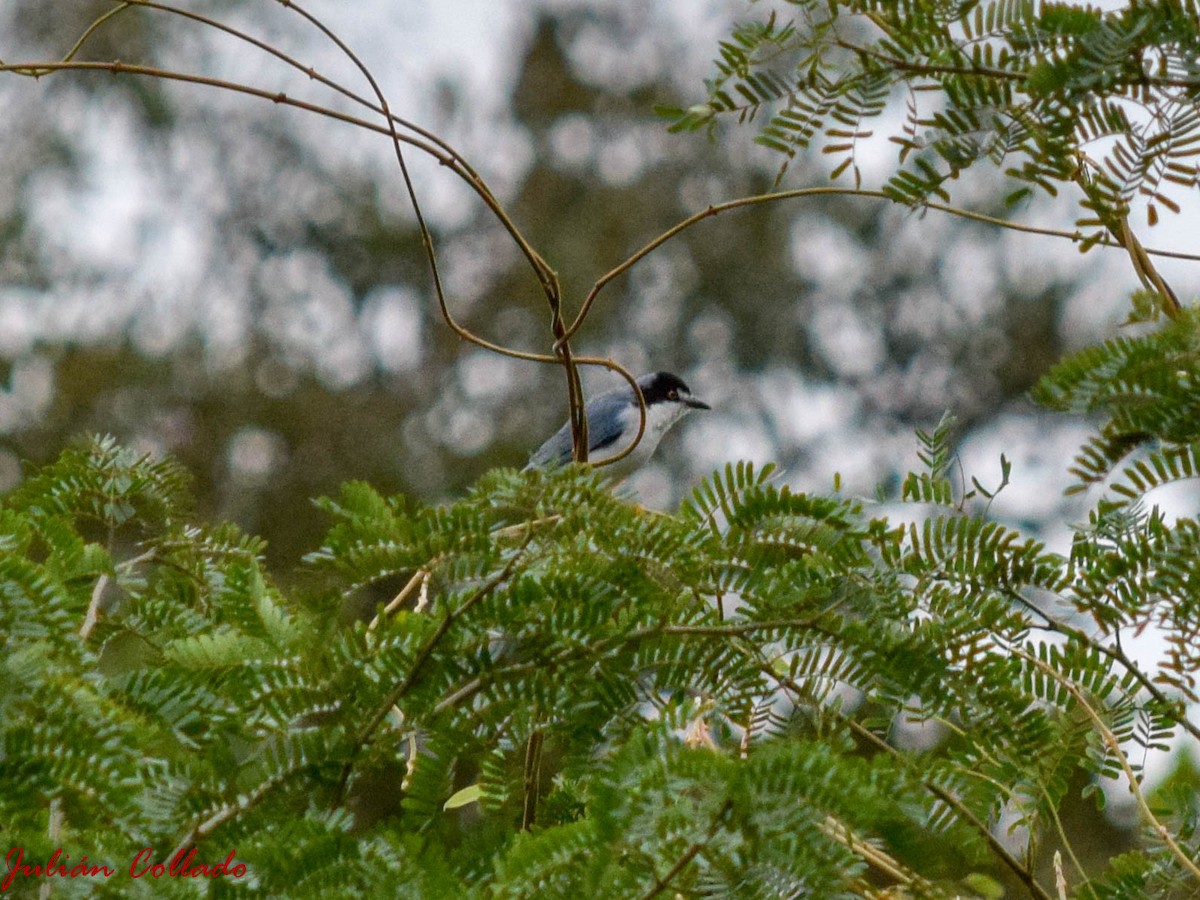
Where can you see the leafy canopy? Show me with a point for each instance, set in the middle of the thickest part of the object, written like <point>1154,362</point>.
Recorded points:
<point>1052,93</point>
<point>555,692</point>
<point>543,689</point>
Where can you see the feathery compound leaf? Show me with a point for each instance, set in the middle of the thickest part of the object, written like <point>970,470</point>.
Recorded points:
<point>582,698</point>
<point>1037,89</point>
<point>107,483</point>
<point>1149,390</point>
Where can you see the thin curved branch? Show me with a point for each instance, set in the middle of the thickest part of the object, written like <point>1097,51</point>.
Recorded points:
<point>1116,654</point>
<point>119,68</point>
<point>759,199</point>
<point>661,884</point>
<point>447,156</point>
<point>1114,746</point>
<point>423,227</point>
<point>637,438</point>
<point>116,67</point>
<point>94,27</point>
<point>1022,872</point>
<point>546,275</point>
<point>450,160</point>
<point>417,669</point>
<point>39,69</point>
<point>460,165</point>
<point>308,71</point>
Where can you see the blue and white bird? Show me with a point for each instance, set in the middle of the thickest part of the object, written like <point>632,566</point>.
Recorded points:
<point>613,424</point>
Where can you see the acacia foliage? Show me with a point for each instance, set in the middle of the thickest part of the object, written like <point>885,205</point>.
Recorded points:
<point>1052,93</point>
<point>572,696</point>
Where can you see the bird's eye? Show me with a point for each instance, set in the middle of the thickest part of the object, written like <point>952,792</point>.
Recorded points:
<point>672,394</point>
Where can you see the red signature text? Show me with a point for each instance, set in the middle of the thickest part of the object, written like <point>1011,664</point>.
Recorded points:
<point>15,860</point>
<point>182,865</point>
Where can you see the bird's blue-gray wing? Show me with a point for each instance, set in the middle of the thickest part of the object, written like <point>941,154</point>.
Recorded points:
<point>605,423</point>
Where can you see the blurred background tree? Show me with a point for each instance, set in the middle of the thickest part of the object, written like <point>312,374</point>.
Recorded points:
<point>245,288</point>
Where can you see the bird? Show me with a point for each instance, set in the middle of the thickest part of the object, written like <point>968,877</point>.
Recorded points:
<point>613,423</point>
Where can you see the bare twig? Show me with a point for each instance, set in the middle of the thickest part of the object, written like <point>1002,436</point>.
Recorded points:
<point>419,578</point>
<point>1114,747</point>
<point>419,663</point>
<point>532,777</point>
<point>759,199</point>
<point>456,162</point>
<point>661,884</point>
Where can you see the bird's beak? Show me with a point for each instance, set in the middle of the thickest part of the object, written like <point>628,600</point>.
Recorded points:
<point>694,403</point>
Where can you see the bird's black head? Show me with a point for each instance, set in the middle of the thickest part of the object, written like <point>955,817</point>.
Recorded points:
<point>663,387</point>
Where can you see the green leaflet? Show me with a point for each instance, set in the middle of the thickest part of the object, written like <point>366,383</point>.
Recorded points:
<point>1031,89</point>
<point>562,694</point>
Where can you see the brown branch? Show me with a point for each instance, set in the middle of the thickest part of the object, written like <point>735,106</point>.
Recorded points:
<point>661,884</point>
<point>1176,708</point>
<point>759,199</point>
<point>116,67</point>
<point>1022,872</point>
<point>532,777</point>
<point>419,663</point>
<point>1113,743</point>
<point>422,225</point>
<point>546,275</point>
<point>93,28</point>
<point>457,163</point>
<point>434,146</point>
<point>447,156</point>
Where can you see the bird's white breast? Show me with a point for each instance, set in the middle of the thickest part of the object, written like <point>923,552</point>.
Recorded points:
<point>659,419</point>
